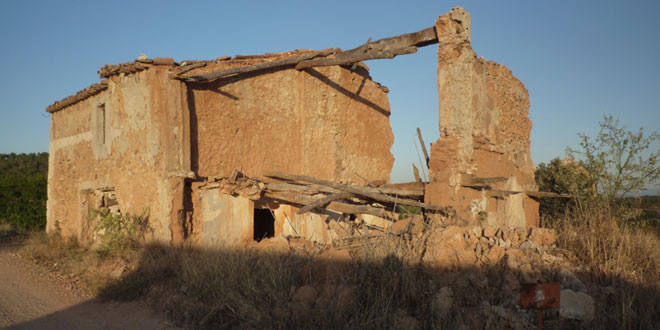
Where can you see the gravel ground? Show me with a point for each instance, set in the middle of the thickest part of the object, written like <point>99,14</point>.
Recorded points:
<point>33,298</point>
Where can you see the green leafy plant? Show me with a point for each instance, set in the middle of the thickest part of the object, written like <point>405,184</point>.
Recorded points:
<point>564,176</point>
<point>120,231</point>
<point>621,161</point>
<point>483,215</point>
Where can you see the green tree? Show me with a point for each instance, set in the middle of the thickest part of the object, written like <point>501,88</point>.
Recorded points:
<point>622,162</point>
<point>23,179</point>
<point>563,177</point>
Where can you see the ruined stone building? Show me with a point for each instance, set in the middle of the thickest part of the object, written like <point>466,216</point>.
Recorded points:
<point>155,136</point>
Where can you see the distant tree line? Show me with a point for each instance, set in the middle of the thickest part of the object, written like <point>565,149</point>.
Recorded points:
<point>23,180</point>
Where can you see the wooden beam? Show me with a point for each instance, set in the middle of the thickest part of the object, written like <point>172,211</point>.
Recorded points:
<point>417,187</point>
<point>501,193</point>
<point>472,181</point>
<point>257,67</point>
<point>421,141</point>
<point>333,206</point>
<point>323,201</point>
<point>546,194</point>
<point>403,190</point>
<point>383,48</point>
<point>303,189</point>
<point>416,173</point>
<point>534,194</point>
<point>354,58</point>
<point>187,68</point>
<point>363,191</point>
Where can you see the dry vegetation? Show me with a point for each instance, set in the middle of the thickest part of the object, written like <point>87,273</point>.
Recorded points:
<point>621,261</point>
<point>381,284</point>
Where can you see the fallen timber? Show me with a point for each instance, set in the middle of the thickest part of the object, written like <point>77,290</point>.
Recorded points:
<point>332,206</point>
<point>471,181</point>
<point>315,195</point>
<point>362,191</point>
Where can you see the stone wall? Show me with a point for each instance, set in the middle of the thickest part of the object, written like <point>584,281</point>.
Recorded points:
<point>126,141</point>
<point>328,122</point>
<point>142,139</point>
<point>484,134</point>
<point>151,141</point>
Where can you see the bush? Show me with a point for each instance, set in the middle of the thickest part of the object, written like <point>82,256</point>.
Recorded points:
<point>120,231</point>
<point>563,177</point>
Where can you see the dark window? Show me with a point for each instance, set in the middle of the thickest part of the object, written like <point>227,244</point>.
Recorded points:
<point>102,123</point>
<point>264,224</point>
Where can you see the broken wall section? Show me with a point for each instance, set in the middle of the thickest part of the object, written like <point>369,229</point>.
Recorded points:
<point>481,163</point>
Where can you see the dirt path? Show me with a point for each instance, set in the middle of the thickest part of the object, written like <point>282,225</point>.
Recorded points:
<point>33,298</point>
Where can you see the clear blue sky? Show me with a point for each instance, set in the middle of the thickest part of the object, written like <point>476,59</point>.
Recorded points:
<point>578,59</point>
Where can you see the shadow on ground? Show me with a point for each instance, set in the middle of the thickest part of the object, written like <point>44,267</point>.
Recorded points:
<point>254,288</point>
<point>95,314</point>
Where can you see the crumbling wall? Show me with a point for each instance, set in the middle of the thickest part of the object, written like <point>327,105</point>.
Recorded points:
<point>329,122</point>
<point>136,150</point>
<point>481,163</point>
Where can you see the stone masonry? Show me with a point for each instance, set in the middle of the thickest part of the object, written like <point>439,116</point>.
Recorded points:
<point>145,141</point>
<point>481,163</point>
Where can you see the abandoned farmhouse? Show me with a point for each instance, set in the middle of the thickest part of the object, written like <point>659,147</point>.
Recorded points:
<point>230,150</point>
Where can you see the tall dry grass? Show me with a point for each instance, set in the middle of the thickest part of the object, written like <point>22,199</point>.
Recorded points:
<point>621,263</point>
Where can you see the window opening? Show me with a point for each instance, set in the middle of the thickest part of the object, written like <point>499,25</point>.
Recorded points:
<point>102,122</point>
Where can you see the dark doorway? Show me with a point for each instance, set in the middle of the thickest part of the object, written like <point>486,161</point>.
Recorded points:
<point>264,224</point>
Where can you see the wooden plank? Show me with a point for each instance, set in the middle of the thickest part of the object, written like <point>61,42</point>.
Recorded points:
<point>417,187</point>
<point>501,193</point>
<point>310,189</point>
<point>385,189</point>
<point>189,68</point>
<point>363,191</point>
<point>416,173</point>
<point>472,181</point>
<point>535,194</point>
<point>383,48</point>
<point>323,201</point>
<point>546,194</point>
<point>403,190</point>
<point>354,58</point>
<point>421,141</point>
<point>333,206</point>
<point>257,67</point>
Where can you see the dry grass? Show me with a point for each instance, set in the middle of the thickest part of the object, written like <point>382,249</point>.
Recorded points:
<point>75,261</point>
<point>383,285</point>
<point>622,263</point>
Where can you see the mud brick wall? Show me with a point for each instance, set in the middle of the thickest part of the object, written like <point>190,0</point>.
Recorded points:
<point>484,133</point>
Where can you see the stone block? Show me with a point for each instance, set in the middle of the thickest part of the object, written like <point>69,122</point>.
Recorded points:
<point>576,305</point>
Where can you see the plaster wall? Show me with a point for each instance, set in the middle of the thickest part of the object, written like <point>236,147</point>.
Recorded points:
<point>313,122</point>
<point>143,150</point>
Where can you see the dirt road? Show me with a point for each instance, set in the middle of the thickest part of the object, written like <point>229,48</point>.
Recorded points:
<point>33,298</point>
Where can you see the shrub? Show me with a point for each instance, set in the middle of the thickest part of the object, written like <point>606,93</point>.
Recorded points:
<point>120,231</point>
<point>563,177</point>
